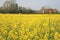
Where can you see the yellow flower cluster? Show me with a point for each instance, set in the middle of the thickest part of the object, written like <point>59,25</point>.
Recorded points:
<point>29,27</point>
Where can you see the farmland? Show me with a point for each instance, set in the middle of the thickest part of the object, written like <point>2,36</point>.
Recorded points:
<point>29,27</point>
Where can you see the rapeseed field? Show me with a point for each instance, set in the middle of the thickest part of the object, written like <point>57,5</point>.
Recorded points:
<point>29,27</point>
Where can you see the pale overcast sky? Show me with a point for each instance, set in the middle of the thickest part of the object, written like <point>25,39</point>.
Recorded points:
<point>37,4</point>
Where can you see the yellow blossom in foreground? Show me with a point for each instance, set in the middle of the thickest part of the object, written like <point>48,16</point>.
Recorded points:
<point>29,27</point>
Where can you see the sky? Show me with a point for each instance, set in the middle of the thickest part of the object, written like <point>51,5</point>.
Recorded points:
<point>37,4</point>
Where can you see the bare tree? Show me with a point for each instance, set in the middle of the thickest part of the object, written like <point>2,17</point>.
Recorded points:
<point>10,5</point>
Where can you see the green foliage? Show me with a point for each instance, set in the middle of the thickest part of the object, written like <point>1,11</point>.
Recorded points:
<point>13,8</point>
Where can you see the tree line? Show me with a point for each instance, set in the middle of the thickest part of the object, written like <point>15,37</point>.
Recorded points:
<point>12,7</point>
<point>9,7</point>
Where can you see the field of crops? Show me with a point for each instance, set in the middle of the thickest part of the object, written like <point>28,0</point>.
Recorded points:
<point>29,27</point>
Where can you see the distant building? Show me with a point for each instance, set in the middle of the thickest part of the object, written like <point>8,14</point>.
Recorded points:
<point>48,10</point>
